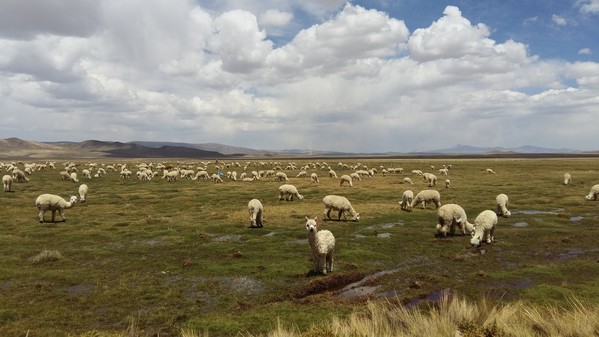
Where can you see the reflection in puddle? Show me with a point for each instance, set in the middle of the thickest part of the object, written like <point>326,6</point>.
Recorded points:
<point>357,292</point>
<point>576,218</point>
<point>434,297</point>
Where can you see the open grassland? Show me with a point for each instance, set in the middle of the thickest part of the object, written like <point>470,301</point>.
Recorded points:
<point>166,257</point>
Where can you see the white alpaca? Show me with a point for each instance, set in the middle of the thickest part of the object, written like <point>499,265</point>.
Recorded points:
<point>345,179</point>
<point>64,175</point>
<point>567,178</point>
<point>7,182</point>
<point>83,192</point>
<point>447,183</point>
<point>314,178</point>
<point>450,216</point>
<point>406,200</point>
<point>19,176</point>
<point>593,193</point>
<point>490,171</point>
<point>288,191</point>
<point>430,178</point>
<point>74,177</point>
<point>322,244</point>
<point>501,202</point>
<point>53,203</point>
<point>340,204</point>
<point>281,176</point>
<point>408,180</point>
<point>426,196</point>
<point>484,228</point>
<point>255,210</point>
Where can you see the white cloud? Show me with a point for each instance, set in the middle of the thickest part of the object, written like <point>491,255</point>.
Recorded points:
<point>589,6</point>
<point>559,20</point>
<point>585,51</point>
<point>275,17</point>
<point>356,80</point>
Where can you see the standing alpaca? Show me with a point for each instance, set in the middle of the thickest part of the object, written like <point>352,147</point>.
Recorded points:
<point>322,244</point>
<point>53,203</point>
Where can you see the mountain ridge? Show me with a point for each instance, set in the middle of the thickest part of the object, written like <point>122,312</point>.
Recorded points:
<point>19,148</point>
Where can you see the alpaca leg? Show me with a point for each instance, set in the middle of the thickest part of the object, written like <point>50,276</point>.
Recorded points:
<point>323,264</point>
<point>53,215</point>
<point>41,215</point>
<point>330,262</point>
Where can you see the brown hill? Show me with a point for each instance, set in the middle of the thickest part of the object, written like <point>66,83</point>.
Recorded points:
<point>15,148</point>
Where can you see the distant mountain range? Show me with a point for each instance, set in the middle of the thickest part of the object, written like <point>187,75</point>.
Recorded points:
<point>467,149</point>
<point>21,149</point>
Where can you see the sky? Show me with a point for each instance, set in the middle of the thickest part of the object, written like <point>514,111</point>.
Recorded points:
<point>357,76</point>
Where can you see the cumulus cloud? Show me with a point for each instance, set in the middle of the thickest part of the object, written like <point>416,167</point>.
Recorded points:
<point>558,20</point>
<point>354,79</point>
<point>275,17</point>
<point>585,51</point>
<point>588,6</point>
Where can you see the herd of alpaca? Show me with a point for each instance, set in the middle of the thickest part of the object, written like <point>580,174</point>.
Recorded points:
<point>450,217</point>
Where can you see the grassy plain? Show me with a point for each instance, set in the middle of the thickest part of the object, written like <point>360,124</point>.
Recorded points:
<point>165,256</point>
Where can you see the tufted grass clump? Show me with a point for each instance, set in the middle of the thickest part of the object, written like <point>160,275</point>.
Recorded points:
<point>46,256</point>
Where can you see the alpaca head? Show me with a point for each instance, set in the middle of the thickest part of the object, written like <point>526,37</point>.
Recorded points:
<point>73,199</point>
<point>312,225</point>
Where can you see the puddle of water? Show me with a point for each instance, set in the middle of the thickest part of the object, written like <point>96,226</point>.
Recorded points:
<point>80,289</point>
<point>421,261</point>
<point>535,212</point>
<point>385,226</point>
<point>358,292</point>
<point>383,235</point>
<point>433,297</point>
<point>520,224</point>
<point>228,238</point>
<point>569,254</point>
<point>576,218</point>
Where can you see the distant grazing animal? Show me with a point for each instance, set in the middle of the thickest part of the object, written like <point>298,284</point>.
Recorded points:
<point>345,179</point>
<point>451,216</point>
<point>7,182</point>
<point>314,178</point>
<point>53,203</point>
<point>406,200</point>
<point>288,191</point>
<point>425,196</point>
<point>341,204</point>
<point>501,202</point>
<point>83,192</point>
<point>255,210</point>
<point>484,228</point>
<point>567,178</point>
<point>593,193</point>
